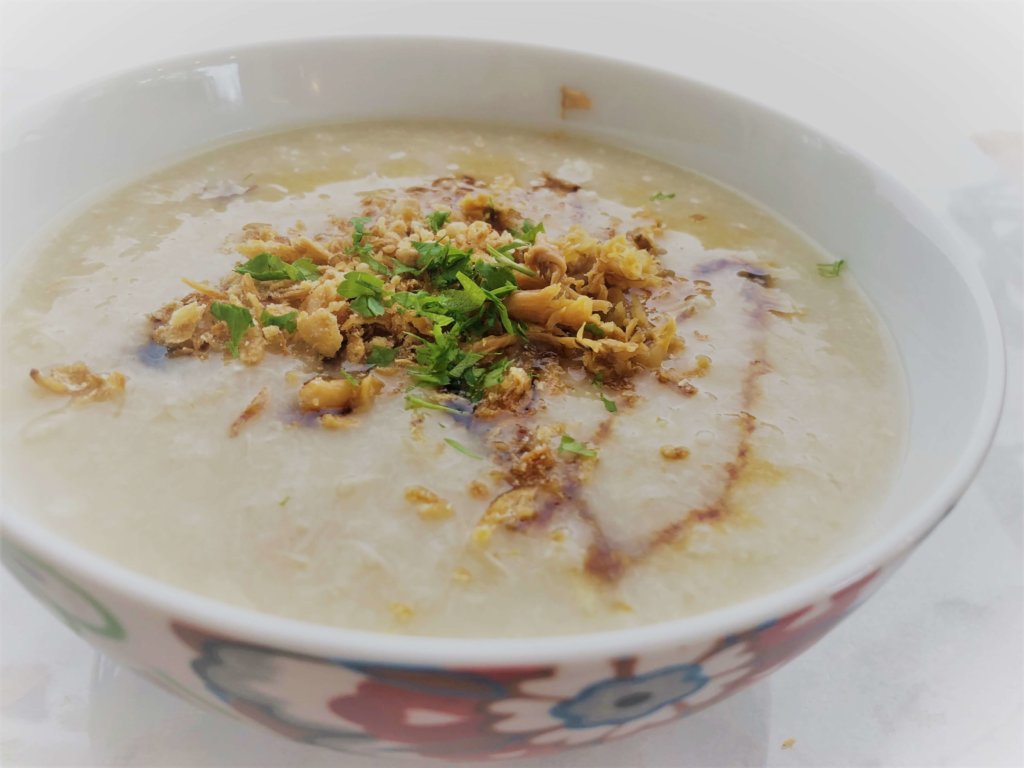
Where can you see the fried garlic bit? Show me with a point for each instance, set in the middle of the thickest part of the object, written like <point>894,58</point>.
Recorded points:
<point>574,98</point>
<point>674,452</point>
<point>80,383</point>
<point>255,407</point>
<point>510,510</point>
<point>430,506</point>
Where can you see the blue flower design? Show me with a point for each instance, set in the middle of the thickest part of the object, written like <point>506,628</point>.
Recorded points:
<point>621,699</point>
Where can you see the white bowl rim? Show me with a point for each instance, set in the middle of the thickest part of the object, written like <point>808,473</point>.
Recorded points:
<point>256,628</point>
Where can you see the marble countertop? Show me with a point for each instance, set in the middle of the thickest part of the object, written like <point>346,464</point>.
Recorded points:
<point>930,672</point>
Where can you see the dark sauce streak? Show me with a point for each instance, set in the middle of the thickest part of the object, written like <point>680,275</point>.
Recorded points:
<point>762,278</point>
<point>559,483</point>
<point>607,562</point>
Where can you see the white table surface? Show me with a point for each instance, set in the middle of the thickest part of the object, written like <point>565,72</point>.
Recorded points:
<point>931,671</point>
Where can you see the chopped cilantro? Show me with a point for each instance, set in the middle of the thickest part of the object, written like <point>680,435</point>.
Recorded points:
<point>609,404</point>
<point>594,330</point>
<point>441,262</point>
<point>469,311</point>
<point>358,233</point>
<point>509,262</point>
<point>285,322</point>
<point>413,401</point>
<point>381,356</point>
<point>569,445</point>
<point>428,305</point>
<point>663,195</point>
<point>306,269</point>
<point>437,219</point>
<point>364,250</point>
<point>238,320</point>
<point>476,296</point>
<point>376,266</point>
<point>494,278</point>
<point>267,266</point>
<point>441,361</point>
<point>478,379</point>
<point>444,364</point>
<point>348,377</point>
<point>528,231</point>
<point>833,269</point>
<point>462,449</point>
<point>365,292</point>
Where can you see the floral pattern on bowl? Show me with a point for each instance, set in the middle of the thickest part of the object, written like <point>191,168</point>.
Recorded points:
<point>481,713</point>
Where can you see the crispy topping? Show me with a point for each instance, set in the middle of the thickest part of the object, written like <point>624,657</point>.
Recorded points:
<point>465,299</point>
<point>430,505</point>
<point>255,407</point>
<point>421,495</point>
<point>478,490</point>
<point>81,384</point>
<point>574,98</point>
<point>510,510</point>
<point>674,452</point>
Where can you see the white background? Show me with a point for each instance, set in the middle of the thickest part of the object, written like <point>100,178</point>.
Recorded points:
<point>931,671</point>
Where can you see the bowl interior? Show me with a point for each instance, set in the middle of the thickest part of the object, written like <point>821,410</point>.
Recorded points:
<point>938,313</point>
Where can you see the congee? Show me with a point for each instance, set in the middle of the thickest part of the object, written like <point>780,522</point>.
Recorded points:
<point>446,380</point>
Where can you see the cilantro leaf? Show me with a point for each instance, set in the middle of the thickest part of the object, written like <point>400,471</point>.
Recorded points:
<point>358,232</point>
<point>494,277</point>
<point>833,269</point>
<point>364,250</point>
<point>238,320</point>
<point>267,266</point>
<point>478,379</point>
<point>569,445</point>
<point>462,449</point>
<point>594,330</point>
<point>441,361</point>
<point>506,261</point>
<point>305,269</point>
<point>663,196</point>
<point>365,293</point>
<point>428,305</point>
<point>285,322</point>
<point>527,231</point>
<point>441,262</point>
<point>375,265</point>
<point>348,377</point>
<point>475,295</point>
<point>369,306</point>
<point>380,356</point>
<point>598,381</point>
<point>437,219</point>
<point>413,401</point>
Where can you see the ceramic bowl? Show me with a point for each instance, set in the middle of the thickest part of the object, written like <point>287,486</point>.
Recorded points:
<point>460,699</point>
